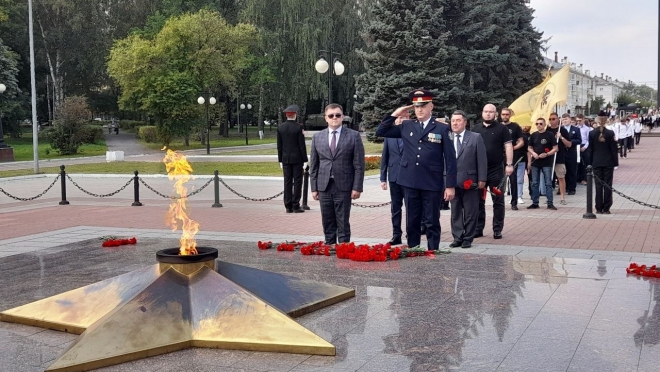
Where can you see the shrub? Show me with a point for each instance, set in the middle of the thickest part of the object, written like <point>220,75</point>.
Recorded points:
<point>66,135</point>
<point>371,162</point>
<point>147,133</point>
<point>91,134</point>
<point>131,124</point>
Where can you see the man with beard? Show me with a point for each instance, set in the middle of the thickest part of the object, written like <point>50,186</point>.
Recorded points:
<point>561,134</point>
<point>519,151</point>
<point>498,143</point>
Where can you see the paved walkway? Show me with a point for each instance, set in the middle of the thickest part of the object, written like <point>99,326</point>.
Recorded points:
<point>631,227</point>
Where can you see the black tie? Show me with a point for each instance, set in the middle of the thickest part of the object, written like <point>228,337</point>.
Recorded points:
<point>333,143</point>
<point>458,144</point>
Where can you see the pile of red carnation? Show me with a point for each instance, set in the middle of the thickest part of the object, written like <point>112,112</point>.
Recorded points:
<point>643,270</point>
<point>350,251</point>
<point>118,242</point>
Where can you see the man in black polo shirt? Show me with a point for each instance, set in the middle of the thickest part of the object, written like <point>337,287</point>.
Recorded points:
<point>519,151</point>
<point>498,143</point>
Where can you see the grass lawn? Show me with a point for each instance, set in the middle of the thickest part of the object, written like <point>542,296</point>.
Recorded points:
<point>369,148</point>
<point>23,149</point>
<point>199,168</point>
<point>234,139</point>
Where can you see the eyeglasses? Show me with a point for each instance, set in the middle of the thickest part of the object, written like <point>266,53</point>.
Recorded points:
<point>540,123</point>
<point>330,116</point>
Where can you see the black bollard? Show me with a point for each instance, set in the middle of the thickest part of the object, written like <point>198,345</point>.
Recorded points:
<point>136,190</point>
<point>63,183</point>
<point>305,188</point>
<point>590,193</point>
<point>216,185</point>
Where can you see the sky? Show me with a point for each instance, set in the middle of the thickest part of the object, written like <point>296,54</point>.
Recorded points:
<point>615,37</point>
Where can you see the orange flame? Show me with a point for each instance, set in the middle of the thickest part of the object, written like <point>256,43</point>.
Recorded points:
<point>178,168</point>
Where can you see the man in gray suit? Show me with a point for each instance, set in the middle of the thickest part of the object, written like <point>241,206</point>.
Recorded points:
<point>337,174</point>
<point>471,176</point>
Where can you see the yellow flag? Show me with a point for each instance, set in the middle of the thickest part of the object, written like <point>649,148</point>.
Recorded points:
<point>554,91</point>
<point>524,105</point>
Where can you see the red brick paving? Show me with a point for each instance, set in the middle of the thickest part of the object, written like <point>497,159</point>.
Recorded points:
<point>630,228</point>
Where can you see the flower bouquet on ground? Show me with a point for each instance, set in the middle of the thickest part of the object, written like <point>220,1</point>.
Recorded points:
<point>351,251</point>
<point>643,270</point>
<point>113,241</point>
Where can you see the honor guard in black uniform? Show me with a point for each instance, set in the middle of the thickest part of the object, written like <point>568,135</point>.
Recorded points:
<point>292,155</point>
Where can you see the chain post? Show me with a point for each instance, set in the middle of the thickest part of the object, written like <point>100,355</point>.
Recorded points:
<point>305,188</point>
<point>216,185</point>
<point>63,176</point>
<point>136,190</point>
<point>590,194</point>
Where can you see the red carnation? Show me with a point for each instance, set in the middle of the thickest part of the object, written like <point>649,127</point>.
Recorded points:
<point>467,184</point>
<point>546,150</point>
<point>496,191</point>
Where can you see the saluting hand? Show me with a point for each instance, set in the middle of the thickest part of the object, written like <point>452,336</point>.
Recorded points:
<point>401,110</point>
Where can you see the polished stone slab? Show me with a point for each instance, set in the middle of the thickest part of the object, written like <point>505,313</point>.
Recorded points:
<point>461,311</point>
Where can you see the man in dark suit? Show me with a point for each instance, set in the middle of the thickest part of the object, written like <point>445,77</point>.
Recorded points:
<point>471,175</point>
<point>292,155</point>
<point>337,174</point>
<point>603,153</point>
<point>575,137</point>
<point>389,170</point>
<point>427,151</point>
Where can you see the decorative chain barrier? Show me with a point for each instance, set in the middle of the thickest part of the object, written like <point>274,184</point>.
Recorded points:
<point>248,198</point>
<point>99,195</point>
<point>34,197</point>
<point>371,206</point>
<point>176,197</point>
<point>625,196</point>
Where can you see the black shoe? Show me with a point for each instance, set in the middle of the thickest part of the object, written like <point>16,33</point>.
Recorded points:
<point>479,235</point>
<point>571,193</point>
<point>533,206</point>
<point>514,207</point>
<point>466,244</point>
<point>289,211</point>
<point>423,230</point>
<point>456,243</point>
<point>607,212</point>
<point>394,241</point>
<point>599,212</point>
<point>298,210</point>
<point>497,235</point>
<point>552,206</point>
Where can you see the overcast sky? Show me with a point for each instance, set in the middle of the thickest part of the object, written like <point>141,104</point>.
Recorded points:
<point>615,37</point>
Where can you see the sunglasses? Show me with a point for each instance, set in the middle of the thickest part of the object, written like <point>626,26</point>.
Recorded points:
<point>331,116</point>
<point>540,123</point>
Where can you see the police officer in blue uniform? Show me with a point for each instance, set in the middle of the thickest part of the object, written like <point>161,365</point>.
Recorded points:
<point>427,151</point>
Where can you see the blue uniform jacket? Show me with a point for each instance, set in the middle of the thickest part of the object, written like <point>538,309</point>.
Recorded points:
<point>390,160</point>
<point>426,153</point>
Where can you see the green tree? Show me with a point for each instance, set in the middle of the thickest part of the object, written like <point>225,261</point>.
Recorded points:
<point>10,100</point>
<point>596,104</point>
<point>191,54</point>
<point>405,51</point>
<point>495,47</point>
<point>623,99</point>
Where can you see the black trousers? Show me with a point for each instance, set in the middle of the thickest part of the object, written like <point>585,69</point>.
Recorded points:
<point>495,175</point>
<point>293,174</point>
<point>396,195</point>
<point>335,212</point>
<point>464,213</point>
<point>582,167</point>
<point>638,136</point>
<point>603,194</point>
<point>513,187</point>
<point>623,147</point>
<point>571,173</point>
<point>424,202</point>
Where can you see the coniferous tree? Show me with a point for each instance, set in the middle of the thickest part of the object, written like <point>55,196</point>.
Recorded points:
<point>495,46</point>
<point>405,50</point>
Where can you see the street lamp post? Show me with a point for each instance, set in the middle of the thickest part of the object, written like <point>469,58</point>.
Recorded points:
<point>211,101</point>
<point>322,67</point>
<point>243,107</point>
<point>2,135</point>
